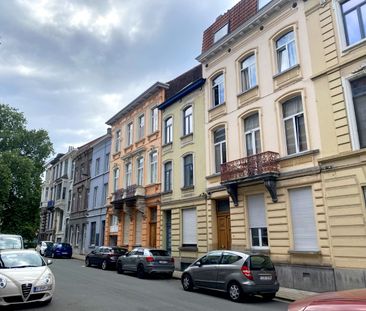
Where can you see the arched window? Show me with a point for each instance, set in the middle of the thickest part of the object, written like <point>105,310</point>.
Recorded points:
<point>248,74</point>
<point>188,170</point>
<point>188,120</point>
<point>218,90</point>
<point>168,130</point>
<point>252,135</point>
<point>286,51</point>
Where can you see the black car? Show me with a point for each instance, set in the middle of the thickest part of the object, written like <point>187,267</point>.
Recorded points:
<point>104,256</point>
<point>58,250</point>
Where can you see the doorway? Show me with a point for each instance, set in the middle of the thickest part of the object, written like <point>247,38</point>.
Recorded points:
<point>223,224</point>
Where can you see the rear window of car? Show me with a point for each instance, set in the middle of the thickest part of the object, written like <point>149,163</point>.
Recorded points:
<point>159,252</point>
<point>261,263</point>
<point>119,251</point>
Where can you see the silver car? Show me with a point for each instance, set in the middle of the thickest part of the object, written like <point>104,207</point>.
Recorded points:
<point>236,273</point>
<point>146,261</point>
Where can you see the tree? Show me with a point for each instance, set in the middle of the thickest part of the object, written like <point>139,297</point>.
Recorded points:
<point>23,154</point>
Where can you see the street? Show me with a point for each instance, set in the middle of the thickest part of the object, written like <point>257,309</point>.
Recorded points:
<point>82,288</point>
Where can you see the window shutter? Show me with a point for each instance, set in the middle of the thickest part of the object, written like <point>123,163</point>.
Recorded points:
<point>257,211</point>
<point>189,226</point>
<point>303,220</point>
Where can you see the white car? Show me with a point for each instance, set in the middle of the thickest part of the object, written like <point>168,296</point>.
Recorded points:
<point>42,246</point>
<point>24,278</point>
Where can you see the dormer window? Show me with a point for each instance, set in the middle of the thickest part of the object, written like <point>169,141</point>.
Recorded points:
<point>222,32</point>
<point>262,3</point>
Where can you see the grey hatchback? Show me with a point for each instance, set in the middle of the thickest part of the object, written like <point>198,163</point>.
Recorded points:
<point>236,273</point>
<point>146,261</point>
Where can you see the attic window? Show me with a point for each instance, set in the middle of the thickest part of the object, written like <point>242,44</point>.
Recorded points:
<point>262,3</point>
<point>222,32</point>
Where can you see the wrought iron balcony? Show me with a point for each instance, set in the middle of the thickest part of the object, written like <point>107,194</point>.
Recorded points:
<point>262,166</point>
<point>128,195</point>
<point>252,166</point>
<point>118,195</point>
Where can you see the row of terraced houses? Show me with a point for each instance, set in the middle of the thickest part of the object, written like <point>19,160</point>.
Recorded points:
<point>261,147</point>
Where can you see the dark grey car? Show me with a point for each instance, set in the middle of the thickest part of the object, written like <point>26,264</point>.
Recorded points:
<point>146,261</point>
<point>236,273</point>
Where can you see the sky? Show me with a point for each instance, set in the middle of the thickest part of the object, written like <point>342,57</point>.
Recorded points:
<point>70,65</point>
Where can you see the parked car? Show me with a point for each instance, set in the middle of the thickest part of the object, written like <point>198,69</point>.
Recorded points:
<point>11,241</point>
<point>236,273</point>
<point>42,245</point>
<point>347,300</point>
<point>59,250</point>
<point>146,261</point>
<point>25,278</point>
<point>104,256</point>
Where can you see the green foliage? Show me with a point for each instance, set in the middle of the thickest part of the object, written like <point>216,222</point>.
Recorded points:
<point>22,158</point>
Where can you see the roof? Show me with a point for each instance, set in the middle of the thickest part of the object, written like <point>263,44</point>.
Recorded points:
<point>138,100</point>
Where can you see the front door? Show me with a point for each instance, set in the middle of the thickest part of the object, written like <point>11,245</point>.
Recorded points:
<point>168,232</point>
<point>224,232</point>
<point>152,233</point>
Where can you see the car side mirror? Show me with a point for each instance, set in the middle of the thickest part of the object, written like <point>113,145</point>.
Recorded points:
<point>198,264</point>
<point>49,262</point>
<point>93,252</point>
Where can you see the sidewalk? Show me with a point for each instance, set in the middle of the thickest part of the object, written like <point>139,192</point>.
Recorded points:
<point>284,293</point>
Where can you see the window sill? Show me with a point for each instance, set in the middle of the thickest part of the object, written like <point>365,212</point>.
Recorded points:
<point>167,144</point>
<point>300,154</point>
<point>294,252</point>
<point>167,192</point>
<point>286,71</point>
<point>190,135</point>
<point>217,106</point>
<point>354,46</point>
<point>248,90</point>
<point>188,248</point>
<point>213,175</point>
<point>187,188</point>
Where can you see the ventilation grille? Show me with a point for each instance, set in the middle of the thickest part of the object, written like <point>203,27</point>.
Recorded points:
<point>26,289</point>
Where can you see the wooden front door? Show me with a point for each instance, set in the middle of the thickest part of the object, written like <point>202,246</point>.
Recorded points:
<point>224,232</point>
<point>153,234</point>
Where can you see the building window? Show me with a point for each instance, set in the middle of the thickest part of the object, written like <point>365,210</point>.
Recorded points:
<point>115,179</point>
<point>106,163</point>
<point>218,90</point>
<point>117,143</point>
<point>61,220</point>
<point>188,121</point>
<point>248,73</point>
<point>153,167</point>
<point>129,134</point>
<point>252,134</point>
<point>257,221</point>
<point>63,193</point>
<point>168,176</point>
<point>114,220</point>
<point>262,3</point>
<point>93,233</point>
<point>95,196</point>
<point>303,220</point>
<point>141,125</point>
<point>222,32</point>
<point>188,170</point>
<point>168,130</point>
<point>357,109</point>
<point>286,51</point>
<point>128,174</point>
<point>294,123</point>
<point>189,227</point>
<point>154,119</point>
<point>97,166</point>
<point>105,194</point>
<point>354,20</point>
<point>219,148</point>
<point>66,166</point>
<point>140,171</point>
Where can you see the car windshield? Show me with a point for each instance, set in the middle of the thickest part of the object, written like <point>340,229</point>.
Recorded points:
<point>20,260</point>
<point>261,263</point>
<point>10,242</point>
<point>159,252</point>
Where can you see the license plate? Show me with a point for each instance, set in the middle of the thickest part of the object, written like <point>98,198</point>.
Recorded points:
<point>265,277</point>
<point>163,261</point>
<point>64,253</point>
<point>42,288</point>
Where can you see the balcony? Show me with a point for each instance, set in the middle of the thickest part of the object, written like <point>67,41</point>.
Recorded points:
<point>262,166</point>
<point>128,196</point>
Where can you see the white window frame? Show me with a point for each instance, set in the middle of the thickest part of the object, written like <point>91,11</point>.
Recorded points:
<point>251,69</point>
<point>219,86</point>
<point>117,143</point>
<point>154,119</point>
<point>140,171</point>
<point>115,179</point>
<point>128,168</point>
<point>129,133</point>
<point>188,120</point>
<point>346,82</point>
<point>222,32</point>
<point>168,130</point>
<point>285,47</point>
<point>257,218</point>
<point>153,159</point>
<point>252,132</point>
<point>220,144</point>
<point>141,126</point>
<point>170,176</point>
<point>184,170</point>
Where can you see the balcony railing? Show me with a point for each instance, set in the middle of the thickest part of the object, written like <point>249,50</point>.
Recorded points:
<point>252,166</point>
<point>118,195</point>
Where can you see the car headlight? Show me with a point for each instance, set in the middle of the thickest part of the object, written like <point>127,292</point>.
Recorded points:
<point>46,279</point>
<point>2,281</point>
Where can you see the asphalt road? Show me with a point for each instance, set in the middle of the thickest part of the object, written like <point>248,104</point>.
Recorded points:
<point>82,288</point>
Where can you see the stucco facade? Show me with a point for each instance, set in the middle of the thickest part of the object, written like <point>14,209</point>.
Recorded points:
<point>263,175</point>
<point>184,209</point>
<point>337,50</point>
<point>134,201</point>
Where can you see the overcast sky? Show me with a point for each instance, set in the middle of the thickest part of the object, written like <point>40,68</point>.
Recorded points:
<point>71,65</point>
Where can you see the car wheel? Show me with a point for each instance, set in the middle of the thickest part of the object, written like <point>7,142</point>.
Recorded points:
<point>104,265</point>
<point>268,297</point>
<point>87,262</point>
<point>120,268</point>
<point>235,292</point>
<point>140,272</point>
<point>187,282</point>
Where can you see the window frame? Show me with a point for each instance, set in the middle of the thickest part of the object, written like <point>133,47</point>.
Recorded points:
<point>168,130</point>
<point>249,69</point>
<point>128,174</point>
<point>257,219</point>
<point>222,145</point>
<point>188,180</point>
<point>188,120</point>
<point>141,127</point>
<point>154,118</point>
<point>153,165</point>
<point>219,87</point>
<point>129,133</point>
<point>285,47</point>
<point>189,235</point>
<point>117,142</point>
<point>168,180</point>
<point>116,173</point>
<point>252,132</point>
<point>140,171</point>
